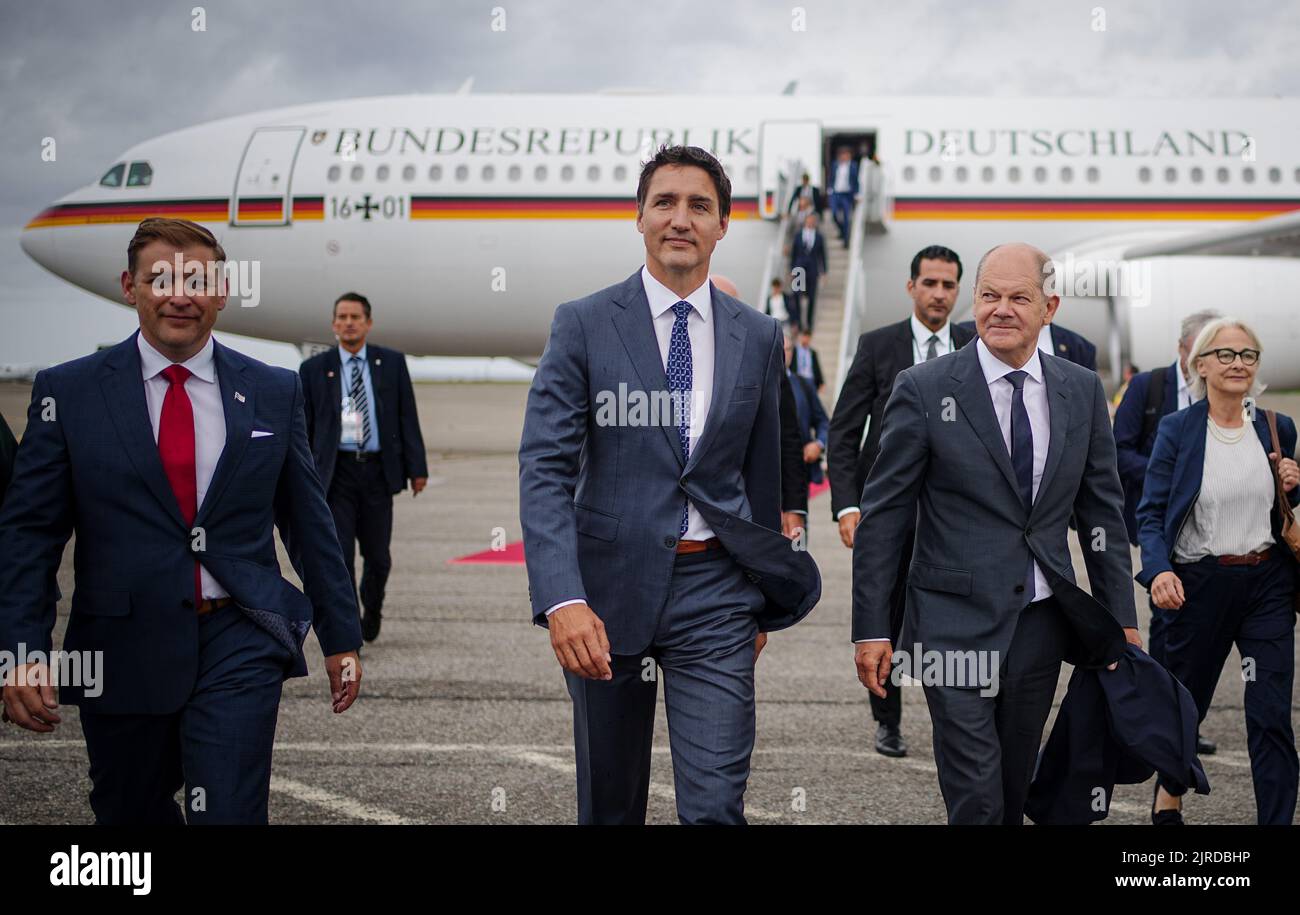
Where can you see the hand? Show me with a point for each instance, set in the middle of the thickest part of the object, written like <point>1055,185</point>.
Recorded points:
<point>344,671</point>
<point>791,524</point>
<point>31,706</point>
<point>812,452</point>
<point>417,485</point>
<point>848,526</point>
<point>1287,470</point>
<point>873,660</point>
<point>1167,591</point>
<point>1133,637</point>
<point>759,644</point>
<point>579,642</point>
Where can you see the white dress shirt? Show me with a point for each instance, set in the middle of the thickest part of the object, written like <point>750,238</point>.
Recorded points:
<point>842,175</point>
<point>921,340</point>
<point>776,302</point>
<point>1045,340</point>
<point>809,238</point>
<point>1184,390</point>
<point>209,419</point>
<point>1035,397</point>
<point>700,330</point>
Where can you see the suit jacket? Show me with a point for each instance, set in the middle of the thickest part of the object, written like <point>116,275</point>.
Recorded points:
<point>941,450</point>
<point>95,471</point>
<point>8,447</point>
<point>882,353</point>
<point>794,475</point>
<point>791,305</point>
<point>811,259</point>
<point>1132,450</point>
<point>1115,727</point>
<point>813,422</point>
<point>400,444</point>
<point>1065,344</point>
<point>853,176</point>
<point>819,202</point>
<point>1173,482</point>
<point>601,502</point>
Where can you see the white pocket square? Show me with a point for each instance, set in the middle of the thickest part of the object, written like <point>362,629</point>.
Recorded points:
<point>259,434</point>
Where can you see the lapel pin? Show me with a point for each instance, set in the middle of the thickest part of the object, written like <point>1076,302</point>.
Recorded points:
<point>379,362</point>
<point>1062,347</point>
<point>239,397</point>
<point>329,374</point>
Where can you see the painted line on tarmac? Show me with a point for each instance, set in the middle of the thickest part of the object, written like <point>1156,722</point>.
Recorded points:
<point>336,803</point>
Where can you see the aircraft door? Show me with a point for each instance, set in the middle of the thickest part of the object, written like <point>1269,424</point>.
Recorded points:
<point>262,186</point>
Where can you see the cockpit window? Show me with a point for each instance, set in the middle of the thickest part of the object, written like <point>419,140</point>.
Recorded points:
<point>113,177</point>
<point>140,175</point>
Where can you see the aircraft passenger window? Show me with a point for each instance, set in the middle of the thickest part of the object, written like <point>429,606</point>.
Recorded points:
<point>961,173</point>
<point>489,173</point>
<point>1171,174</point>
<point>936,173</point>
<point>1221,174</point>
<point>593,172</point>
<point>909,174</point>
<point>1013,173</point>
<point>113,177</point>
<point>140,175</point>
<point>514,173</point>
<point>986,174</point>
<point>357,172</point>
<point>1067,174</point>
<point>381,173</point>
<point>1274,175</point>
<point>566,173</point>
<point>620,173</point>
<point>332,174</point>
<point>435,172</point>
<point>408,173</point>
<point>539,173</point>
<point>1248,175</point>
<point>462,172</point>
<point>1144,174</point>
<point>1040,174</point>
<point>1197,174</point>
<point>1094,174</point>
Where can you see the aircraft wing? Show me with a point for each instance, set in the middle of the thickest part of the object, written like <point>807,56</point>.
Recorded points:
<point>1276,236</point>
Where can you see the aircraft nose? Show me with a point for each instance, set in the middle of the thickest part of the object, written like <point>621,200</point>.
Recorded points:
<point>40,244</point>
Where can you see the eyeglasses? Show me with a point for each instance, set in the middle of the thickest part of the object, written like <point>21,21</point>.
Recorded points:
<point>1228,356</point>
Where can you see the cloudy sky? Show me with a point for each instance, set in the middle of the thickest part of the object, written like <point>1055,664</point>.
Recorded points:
<point>100,76</point>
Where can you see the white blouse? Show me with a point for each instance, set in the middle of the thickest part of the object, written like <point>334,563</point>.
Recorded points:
<point>1232,513</point>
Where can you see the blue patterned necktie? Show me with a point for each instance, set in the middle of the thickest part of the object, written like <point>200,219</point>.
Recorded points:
<point>679,381</point>
<point>1022,457</point>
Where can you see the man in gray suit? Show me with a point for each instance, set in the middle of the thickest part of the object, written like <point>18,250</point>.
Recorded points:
<point>650,497</point>
<point>990,450</point>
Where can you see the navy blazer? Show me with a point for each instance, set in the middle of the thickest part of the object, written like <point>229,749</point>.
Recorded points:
<point>1132,450</point>
<point>92,469</point>
<point>1114,727</point>
<point>600,500</point>
<point>813,421</point>
<point>401,447</point>
<point>1173,482</point>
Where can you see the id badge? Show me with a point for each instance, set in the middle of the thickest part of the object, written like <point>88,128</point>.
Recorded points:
<point>351,422</point>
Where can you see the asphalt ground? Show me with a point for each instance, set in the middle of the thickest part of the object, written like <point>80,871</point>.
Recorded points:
<point>463,715</point>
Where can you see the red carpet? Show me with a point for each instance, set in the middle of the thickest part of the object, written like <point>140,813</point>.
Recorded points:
<point>513,554</point>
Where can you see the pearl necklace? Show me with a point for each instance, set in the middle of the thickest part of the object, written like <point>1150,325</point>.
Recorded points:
<point>1223,435</point>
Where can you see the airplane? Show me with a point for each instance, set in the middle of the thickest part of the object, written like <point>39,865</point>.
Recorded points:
<point>467,218</point>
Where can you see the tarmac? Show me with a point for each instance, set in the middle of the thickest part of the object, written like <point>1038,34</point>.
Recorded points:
<point>463,716</point>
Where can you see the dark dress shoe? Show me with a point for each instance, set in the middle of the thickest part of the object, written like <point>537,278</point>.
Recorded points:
<point>1164,817</point>
<point>370,626</point>
<point>1205,747</point>
<point>889,741</point>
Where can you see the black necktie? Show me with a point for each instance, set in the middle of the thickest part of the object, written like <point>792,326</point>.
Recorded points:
<point>1022,457</point>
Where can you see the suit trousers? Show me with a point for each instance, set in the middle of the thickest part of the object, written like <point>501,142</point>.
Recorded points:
<point>704,650</point>
<point>842,213</point>
<point>217,746</point>
<point>1251,606</point>
<point>985,747</point>
<point>889,710</point>
<point>363,513</point>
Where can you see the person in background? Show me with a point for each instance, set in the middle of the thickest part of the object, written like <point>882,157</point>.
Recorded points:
<point>807,267</point>
<point>813,422</point>
<point>807,193</point>
<point>844,191</point>
<point>1213,558</point>
<point>781,305</point>
<point>806,363</point>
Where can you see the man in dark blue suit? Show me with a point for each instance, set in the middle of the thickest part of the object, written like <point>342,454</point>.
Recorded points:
<point>843,185</point>
<point>650,498</point>
<point>807,266</point>
<point>814,424</point>
<point>365,437</point>
<point>170,457</point>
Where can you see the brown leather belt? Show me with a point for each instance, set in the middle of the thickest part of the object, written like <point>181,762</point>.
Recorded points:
<point>214,603</point>
<point>1248,559</point>
<point>698,546</point>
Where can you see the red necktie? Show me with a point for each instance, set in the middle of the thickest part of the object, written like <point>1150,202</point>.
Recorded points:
<point>176,448</point>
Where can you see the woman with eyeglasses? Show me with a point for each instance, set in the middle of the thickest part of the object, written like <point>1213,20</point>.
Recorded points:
<point>1209,530</point>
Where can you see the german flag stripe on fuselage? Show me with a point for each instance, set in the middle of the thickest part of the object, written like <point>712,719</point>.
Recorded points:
<point>1068,208</point>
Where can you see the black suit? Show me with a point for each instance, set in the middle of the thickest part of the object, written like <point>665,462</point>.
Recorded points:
<point>811,259</point>
<point>7,449</point>
<point>360,491</point>
<point>881,355</point>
